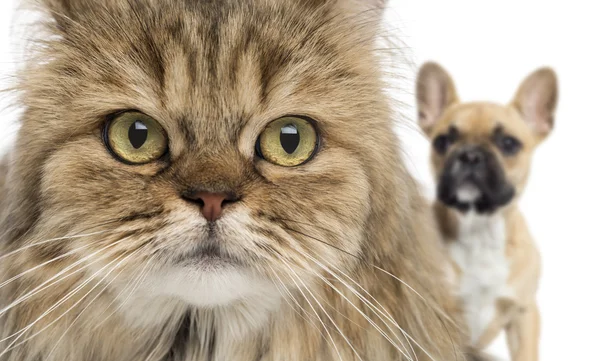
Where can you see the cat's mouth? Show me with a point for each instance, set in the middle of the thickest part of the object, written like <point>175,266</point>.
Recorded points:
<point>209,253</point>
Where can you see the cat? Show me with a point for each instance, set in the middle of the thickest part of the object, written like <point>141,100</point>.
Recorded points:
<point>215,180</point>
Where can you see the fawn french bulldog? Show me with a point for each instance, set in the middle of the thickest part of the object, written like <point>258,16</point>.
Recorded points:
<point>481,160</point>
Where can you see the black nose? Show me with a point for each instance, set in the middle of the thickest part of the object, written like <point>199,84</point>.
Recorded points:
<point>471,157</point>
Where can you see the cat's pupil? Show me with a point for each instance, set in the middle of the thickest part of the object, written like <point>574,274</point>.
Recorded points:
<point>138,134</point>
<point>290,138</point>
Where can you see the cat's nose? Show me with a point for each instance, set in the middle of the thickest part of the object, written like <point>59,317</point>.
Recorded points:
<point>211,204</point>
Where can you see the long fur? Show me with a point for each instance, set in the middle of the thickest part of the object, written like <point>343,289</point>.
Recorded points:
<point>341,260</point>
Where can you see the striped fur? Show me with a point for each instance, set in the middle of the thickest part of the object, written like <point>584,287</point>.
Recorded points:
<point>214,73</point>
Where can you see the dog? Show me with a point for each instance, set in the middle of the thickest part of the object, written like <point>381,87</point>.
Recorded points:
<point>481,161</point>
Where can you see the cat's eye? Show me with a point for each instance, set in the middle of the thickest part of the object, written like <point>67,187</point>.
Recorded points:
<point>288,142</point>
<point>136,138</point>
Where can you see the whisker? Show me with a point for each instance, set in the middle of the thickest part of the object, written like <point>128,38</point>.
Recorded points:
<point>379,329</point>
<point>380,309</point>
<point>137,282</point>
<point>88,305</point>
<point>22,274</point>
<point>291,296</point>
<point>437,310</point>
<point>323,242</point>
<point>42,286</point>
<point>62,301</point>
<point>127,218</point>
<point>29,246</point>
<point>21,332</point>
<point>327,303</point>
<point>318,317</point>
<point>324,311</point>
<point>440,314</point>
<point>347,253</point>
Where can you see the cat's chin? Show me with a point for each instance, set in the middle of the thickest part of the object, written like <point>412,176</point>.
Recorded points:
<point>233,298</point>
<point>209,283</point>
<point>231,294</point>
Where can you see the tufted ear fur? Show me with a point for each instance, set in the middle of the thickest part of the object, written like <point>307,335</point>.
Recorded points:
<point>373,7</point>
<point>66,13</point>
<point>536,100</point>
<point>435,93</point>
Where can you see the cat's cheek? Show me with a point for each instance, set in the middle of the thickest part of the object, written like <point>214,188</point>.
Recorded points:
<point>334,177</point>
<point>331,192</point>
<point>83,174</point>
<point>89,155</point>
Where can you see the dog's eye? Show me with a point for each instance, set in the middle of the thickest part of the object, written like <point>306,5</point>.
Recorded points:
<point>508,145</point>
<point>288,142</point>
<point>135,138</point>
<point>442,143</point>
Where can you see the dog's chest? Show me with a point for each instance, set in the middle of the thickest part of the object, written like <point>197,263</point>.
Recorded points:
<point>480,253</point>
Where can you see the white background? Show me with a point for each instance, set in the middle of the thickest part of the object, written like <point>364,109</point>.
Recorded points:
<point>489,47</point>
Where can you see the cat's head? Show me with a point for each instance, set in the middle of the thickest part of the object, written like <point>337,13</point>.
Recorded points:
<point>209,144</point>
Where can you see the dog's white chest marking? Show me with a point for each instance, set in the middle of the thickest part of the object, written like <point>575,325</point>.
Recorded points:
<point>479,252</point>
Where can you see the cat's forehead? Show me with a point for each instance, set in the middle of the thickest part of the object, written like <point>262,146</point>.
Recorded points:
<point>209,66</point>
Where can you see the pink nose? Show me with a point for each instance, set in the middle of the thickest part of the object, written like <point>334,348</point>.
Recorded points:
<point>211,204</point>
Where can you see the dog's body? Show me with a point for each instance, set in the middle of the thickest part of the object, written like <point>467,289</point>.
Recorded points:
<point>497,266</point>
<point>481,160</point>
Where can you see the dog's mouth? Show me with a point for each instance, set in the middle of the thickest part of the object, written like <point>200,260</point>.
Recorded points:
<point>482,188</point>
<point>469,196</point>
<point>468,193</point>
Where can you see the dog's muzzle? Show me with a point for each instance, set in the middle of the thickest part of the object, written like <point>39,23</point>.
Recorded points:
<point>474,178</point>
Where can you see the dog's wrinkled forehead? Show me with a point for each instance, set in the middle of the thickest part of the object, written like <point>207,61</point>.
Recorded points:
<point>480,122</point>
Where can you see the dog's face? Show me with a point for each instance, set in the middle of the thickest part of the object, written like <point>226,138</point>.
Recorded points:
<point>482,151</point>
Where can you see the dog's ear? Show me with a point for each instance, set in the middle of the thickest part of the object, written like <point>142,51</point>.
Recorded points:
<point>435,93</point>
<point>536,100</point>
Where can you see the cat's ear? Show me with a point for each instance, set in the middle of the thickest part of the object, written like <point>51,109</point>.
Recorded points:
<point>435,93</point>
<point>374,8</point>
<point>64,12</point>
<point>536,100</point>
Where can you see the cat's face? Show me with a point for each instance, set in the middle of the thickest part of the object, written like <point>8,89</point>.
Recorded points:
<point>141,118</point>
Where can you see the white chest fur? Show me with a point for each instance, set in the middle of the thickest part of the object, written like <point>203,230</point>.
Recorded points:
<point>479,252</point>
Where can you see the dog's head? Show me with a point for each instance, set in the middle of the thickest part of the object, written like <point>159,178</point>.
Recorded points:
<point>482,151</point>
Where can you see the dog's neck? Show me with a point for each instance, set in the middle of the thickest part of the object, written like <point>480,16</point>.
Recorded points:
<point>481,231</point>
<point>456,225</point>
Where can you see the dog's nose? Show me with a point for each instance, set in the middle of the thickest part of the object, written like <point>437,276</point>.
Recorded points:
<point>471,157</point>
<point>211,204</point>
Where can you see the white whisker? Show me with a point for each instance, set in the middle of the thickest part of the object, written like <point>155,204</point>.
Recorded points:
<point>318,317</point>
<point>60,302</point>
<point>379,329</point>
<point>21,332</point>
<point>29,246</point>
<point>22,274</point>
<point>379,309</point>
<point>88,305</point>
<point>291,296</point>
<point>137,282</point>
<point>48,283</point>
<point>323,309</point>
<point>439,312</point>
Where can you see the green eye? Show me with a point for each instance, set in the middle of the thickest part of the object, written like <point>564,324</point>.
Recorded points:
<point>136,138</point>
<point>288,142</point>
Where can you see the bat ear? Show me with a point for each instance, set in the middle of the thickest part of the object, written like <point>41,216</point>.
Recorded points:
<point>536,100</point>
<point>435,93</point>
